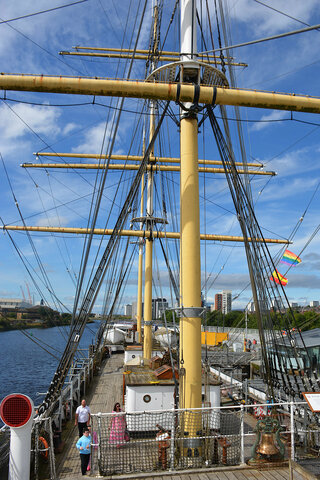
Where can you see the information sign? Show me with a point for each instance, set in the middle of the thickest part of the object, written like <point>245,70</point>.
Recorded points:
<point>313,399</point>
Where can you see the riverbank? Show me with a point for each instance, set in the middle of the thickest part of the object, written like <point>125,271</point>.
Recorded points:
<point>8,325</point>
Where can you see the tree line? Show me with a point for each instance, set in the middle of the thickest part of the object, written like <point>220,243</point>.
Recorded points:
<point>304,320</point>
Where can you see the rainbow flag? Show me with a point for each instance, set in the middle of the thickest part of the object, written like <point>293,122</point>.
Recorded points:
<point>278,278</point>
<point>290,258</point>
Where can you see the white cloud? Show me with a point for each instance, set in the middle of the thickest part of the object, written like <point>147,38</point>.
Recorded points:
<point>292,188</point>
<point>53,220</point>
<point>93,140</point>
<point>273,115</point>
<point>18,122</point>
<point>262,20</point>
<point>311,282</point>
<point>69,128</point>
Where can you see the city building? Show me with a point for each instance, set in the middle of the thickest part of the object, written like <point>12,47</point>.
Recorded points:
<point>277,304</point>
<point>294,304</point>
<point>14,303</point>
<point>159,306</point>
<point>128,310</point>
<point>223,301</point>
<point>218,301</point>
<point>226,301</point>
<point>314,303</point>
<point>135,310</point>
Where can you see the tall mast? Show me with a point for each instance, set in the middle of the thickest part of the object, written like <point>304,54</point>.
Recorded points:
<point>190,279</point>
<point>141,250</point>
<point>147,314</point>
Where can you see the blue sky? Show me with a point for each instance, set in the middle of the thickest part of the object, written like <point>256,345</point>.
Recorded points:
<point>281,143</point>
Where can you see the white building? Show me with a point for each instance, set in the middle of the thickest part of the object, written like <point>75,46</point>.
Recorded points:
<point>135,309</point>
<point>226,301</point>
<point>251,308</point>
<point>314,303</point>
<point>14,303</point>
<point>128,310</point>
<point>277,303</point>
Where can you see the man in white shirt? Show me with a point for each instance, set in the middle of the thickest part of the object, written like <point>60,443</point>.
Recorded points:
<point>82,417</point>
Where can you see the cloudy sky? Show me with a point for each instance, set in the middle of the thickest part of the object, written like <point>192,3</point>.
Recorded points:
<point>287,205</point>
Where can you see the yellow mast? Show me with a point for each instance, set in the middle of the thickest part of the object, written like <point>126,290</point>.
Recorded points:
<point>140,259</point>
<point>190,264</point>
<point>147,314</point>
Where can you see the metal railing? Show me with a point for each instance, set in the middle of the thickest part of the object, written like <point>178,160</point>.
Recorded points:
<point>45,427</point>
<point>185,439</point>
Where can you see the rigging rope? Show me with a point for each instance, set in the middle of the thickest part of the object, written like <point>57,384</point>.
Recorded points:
<point>261,265</point>
<point>37,257</point>
<point>88,301</point>
<point>87,247</point>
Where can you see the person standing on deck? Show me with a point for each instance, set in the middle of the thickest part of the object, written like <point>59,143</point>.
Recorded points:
<point>84,446</point>
<point>94,442</point>
<point>117,427</point>
<point>82,417</point>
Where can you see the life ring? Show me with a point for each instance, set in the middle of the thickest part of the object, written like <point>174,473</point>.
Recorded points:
<point>258,412</point>
<point>44,447</point>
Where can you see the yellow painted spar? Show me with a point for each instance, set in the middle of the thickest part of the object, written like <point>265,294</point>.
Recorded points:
<point>137,233</point>
<point>160,58</point>
<point>118,166</point>
<point>131,50</point>
<point>159,91</point>
<point>137,158</point>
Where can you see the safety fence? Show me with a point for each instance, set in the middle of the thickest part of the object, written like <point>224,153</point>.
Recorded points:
<point>47,429</point>
<point>182,439</point>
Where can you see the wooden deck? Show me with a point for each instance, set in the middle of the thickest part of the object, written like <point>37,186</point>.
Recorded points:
<point>240,473</point>
<point>236,474</point>
<point>103,394</point>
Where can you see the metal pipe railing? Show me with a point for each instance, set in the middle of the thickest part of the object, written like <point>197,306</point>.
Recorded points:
<point>141,423</point>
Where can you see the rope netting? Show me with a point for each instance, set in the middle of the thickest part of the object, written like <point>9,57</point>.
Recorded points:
<point>176,439</point>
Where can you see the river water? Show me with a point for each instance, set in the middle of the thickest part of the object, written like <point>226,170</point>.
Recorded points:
<point>28,369</point>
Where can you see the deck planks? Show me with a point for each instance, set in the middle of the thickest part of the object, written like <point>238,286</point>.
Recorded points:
<point>103,394</point>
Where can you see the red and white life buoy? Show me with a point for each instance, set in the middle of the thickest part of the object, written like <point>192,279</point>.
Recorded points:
<point>258,411</point>
<point>44,447</point>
